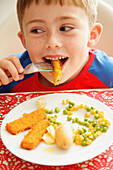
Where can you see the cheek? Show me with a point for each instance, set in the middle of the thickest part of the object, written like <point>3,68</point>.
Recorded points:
<point>77,44</point>
<point>34,49</point>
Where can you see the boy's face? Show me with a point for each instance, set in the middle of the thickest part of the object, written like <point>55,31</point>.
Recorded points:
<point>54,31</point>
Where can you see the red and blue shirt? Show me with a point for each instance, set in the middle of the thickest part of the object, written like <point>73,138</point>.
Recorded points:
<point>97,73</point>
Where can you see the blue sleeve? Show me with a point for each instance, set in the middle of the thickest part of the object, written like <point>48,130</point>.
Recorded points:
<point>25,60</point>
<point>102,68</point>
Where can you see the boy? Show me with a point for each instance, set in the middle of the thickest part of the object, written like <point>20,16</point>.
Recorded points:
<point>58,29</point>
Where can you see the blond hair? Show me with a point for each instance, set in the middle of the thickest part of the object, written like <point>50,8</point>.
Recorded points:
<point>90,7</point>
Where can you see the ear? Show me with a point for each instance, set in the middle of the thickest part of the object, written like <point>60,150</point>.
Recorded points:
<point>22,38</point>
<point>95,34</point>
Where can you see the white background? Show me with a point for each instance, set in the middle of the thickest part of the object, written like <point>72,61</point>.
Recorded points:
<point>8,6</point>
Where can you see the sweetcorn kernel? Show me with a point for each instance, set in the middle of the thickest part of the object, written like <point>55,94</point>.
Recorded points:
<point>85,107</point>
<point>81,106</point>
<point>75,108</point>
<point>93,112</point>
<point>55,126</point>
<point>69,112</point>
<point>67,101</point>
<point>79,139</point>
<point>72,109</point>
<point>101,115</point>
<point>87,114</point>
<point>107,122</point>
<point>88,142</point>
<point>98,133</point>
<point>64,102</point>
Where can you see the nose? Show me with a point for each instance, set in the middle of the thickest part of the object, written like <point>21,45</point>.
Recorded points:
<point>53,41</point>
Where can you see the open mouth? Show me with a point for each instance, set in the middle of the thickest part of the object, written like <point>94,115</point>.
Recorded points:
<point>61,58</point>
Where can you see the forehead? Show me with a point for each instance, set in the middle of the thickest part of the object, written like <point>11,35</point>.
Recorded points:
<point>61,2</point>
<point>43,10</point>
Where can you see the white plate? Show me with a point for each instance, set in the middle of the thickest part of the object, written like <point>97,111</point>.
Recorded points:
<point>50,154</point>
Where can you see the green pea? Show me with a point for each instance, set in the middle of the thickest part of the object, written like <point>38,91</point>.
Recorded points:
<point>88,109</point>
<point>101,128</point>
<point>89,121</point>
<point>58,123</point>
<point>49,118</point>
<point>73,103</point>
<point>70,106</point>
<point>86,124</point>
<point>57,110</point>
<point>102,124</point>
<point>51,111</point>
<point>95,124</point>
<point>67,108</point>
<point>95,121</point>
<point>74,140</point>
<point>85,138</point>
<point>47,111</point>
<point>80,123</point>
<point>69,118</point>
<point>73,121</point>
<point>95,136</point>
<point>54,122</point>
<point>105,129</point>
<point>65,112</point>
<point>96,116</point>
<point>50,123</point>
<point>83,143</point>
<point>92,108</point>
<point>94,131</point>
<point>98,128</point>
<point>107,126</point>
<point>76,119</point>
<point>96,111</point>
<point>84,130</point>
<point>80,131</point>
<point>85,119</point>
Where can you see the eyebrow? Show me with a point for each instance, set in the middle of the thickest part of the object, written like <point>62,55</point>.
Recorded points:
<point>67,18</point>
<point>35,20</point>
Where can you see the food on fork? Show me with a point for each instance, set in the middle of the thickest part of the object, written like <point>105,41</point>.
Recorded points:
<point>35,134</point>
<point>25,122</point>
<point>57,72</point>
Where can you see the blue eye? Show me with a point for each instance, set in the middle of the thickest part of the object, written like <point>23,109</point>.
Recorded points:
<point>65,28</point>
<point>37,31</point>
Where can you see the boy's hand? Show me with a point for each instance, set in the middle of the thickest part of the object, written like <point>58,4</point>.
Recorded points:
<point>10,67</point>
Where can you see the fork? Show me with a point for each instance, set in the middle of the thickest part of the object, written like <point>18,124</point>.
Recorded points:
<point>36,67</point>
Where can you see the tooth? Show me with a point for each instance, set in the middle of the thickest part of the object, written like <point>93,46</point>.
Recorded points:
<point>47,58</point>
<point>61,57</point>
